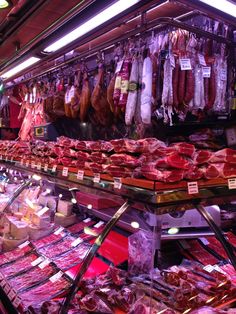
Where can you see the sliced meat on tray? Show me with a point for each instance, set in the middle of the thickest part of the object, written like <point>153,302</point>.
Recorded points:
<point>48,240</point>
<point>80,226</point>
<point>19,265</point>
<point>32,277</point>
<point>14,254</point>
<point>58,248</point>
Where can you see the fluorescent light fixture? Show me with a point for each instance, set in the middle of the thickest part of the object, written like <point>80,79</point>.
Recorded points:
<point>20,67</point>
<point>222,5</point>
<point>4,4</point>
<point>94,22</point>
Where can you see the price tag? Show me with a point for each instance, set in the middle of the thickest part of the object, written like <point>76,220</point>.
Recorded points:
<point>184,244</point>
<point>232,183</point>
<point>201,59</point>
<point>185,64</point>
<point>217,268</point>
<point>223,75</point>
<point>33,164</point>
<point>37,261</point>
<point>99,224</point>
<point>16,302</point>
<point>22,245</point>
<point>54,168</point>
<point>56,277</point>
<point>192,188</point>
<point>27,163</point>
<point>12,159</point>
<point>172,60</point>
<point>117,183</point>
<point>11,294</point>
<point>45,167</point>
<point>96,178</point>
<point>80,175</point>
<point>206,71</point>
<point>42,211</point>
<point>59,230</point>
<point>44,263</point>
<point>87,220</point>
<point>65,172</point>
<point>208,268</point>
<point>76,242</point>
<point>204,241</point>
<point>7,288</point>
<point>119,66</point>
<point>39,166</point>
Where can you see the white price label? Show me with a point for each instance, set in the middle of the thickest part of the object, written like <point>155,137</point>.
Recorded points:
<point>117,183</point>
<point>42,211</point>
<point>39,166</point>
<point>119,66</point>
<point>223,75</point>
<point>80,175</point>
<point>44,263</point>
<point>99,224</point>
<point>185,64</point>
<point>27,163</point>
<point>208,268</point>
<point>37,261</point>
<point>33,164</point>
<point>192,188</point>
<point>54,168</point>
<point>21,246</point>
<point>184,244</point>
<point>7,288</point>
<point>232,183</point>
<point>96,178</point>
<point>201,59</point>
<point>45,167</point>
<point>172,60</point>
<point>12,159</point>
<point>204,241</point>
<point>87,220</point>
<point>76,242</point>
<point>217,268</point>
<point>56,277</point>
<point>59,230</point>
<point>11,294</point>
<point>206,71</point>
<point>65,172</point>
<point>16,302</point>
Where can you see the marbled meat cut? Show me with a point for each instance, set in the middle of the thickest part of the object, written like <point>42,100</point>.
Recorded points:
<point>118,171</point>
<point>50,239</point>
<point>19,265</point>
<point>184,148</point>
<point>58,247</point>
<point>227,170</point>
<point>202,157</point>
<point>125,160</point>
<point>172,176</point>
<point>83,156</point>
<point>96,167</point>
<point>125,145</point>
<point>71,258</point>
<point>193,173</point>
<point>227,155</point>
<point>80,226</point>
<point>44,292</point>
<point>216,246</point>
<point>150,145</point>
<point>32,277</point>
<point>211,171</point>
<point>14,254</point>
<point>177,161</point>
<point>99,157</point>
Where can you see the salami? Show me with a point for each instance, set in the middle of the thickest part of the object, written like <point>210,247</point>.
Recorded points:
<point>146,94</point>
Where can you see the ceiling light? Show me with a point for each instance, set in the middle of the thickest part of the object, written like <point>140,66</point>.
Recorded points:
<point>135,224</point>
<point>91,24</point>
<point>20,67</point>
<point>4,4</point>
<point>222,5</point>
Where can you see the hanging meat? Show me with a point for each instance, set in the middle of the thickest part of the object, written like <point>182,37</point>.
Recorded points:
<point>85,98</point>
<point>146,94</point>
<point>124,84</point>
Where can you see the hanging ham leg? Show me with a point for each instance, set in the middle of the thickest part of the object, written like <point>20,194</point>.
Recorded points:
<point>85,98</point>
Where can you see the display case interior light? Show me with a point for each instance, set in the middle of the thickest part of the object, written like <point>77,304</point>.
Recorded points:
<point>36,177</point>
<point>135,224</point>
<point>173,230</point>
<point>4,4</point>
<point>225,6</point>
<point>90,206</point>
<point>25,64</point>
<point>73,201</point>
<point>97,20</point>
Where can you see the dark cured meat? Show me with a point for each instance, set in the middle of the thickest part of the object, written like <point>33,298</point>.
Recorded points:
<point>175,79</point>
<point>80,226</point>
<point>50,239</point>
<point>57,248</point>
<point>189,87</point>
<point>125,73</point>
<point>211,90</point>
<point>14,254</point>
<point>181,86</point>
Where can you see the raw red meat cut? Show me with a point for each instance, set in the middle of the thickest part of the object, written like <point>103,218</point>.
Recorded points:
<point>202,157</point>
<point>119,172</point>
<point>227,170</point>
<point>65,161</point>
<point>58,247</point>
<point>81,145</point>
<point>153,175</point>
<point>150,145</point>
<point>125,160</point>
<point>106,146</point>
<point>83,156</point>
<point>65,141</point>
<point>99,157</point>
<point>227,155</point>
<point>78,164</point>
<point>125,145</point>
<point>177,161</point>
<point>19,265</point>
<point>211,171</point>
<point>96,168</point>
<point>32,277</point>
<point>216,246</point>
<point>193,173</point>
<point>80,226</point>
<point>172,176</point>
<point>50,239</point>
<point>184,148</point>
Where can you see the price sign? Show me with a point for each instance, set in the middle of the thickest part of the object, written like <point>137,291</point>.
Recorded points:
<point>56,277</point>
<point>11,294</point>
<point>172,60</point>
<point>232,183</point>
<point>96,178</point>
<point>87,220</point>
<point>21,246</point>
<point>16,302</point>
<point>39,166</point>
<point>192,188</point>
<point>65,172</point>
<point>80,175</point>
<point>27,163</point>
<point>208,268</point>
<point>99,224</point>
<point>59,230</point>
<point>117,183</point>
<point>54,168</point>
<point>206,71</point>
<point>76,242</point>
<point>37,261</point>
<point>45,167</point>
<point>204,241</point>
<point>119,66</point>
<point>223,75</point>
<point>185,64</point>
<point>44,263</point>
<point>201,59</point>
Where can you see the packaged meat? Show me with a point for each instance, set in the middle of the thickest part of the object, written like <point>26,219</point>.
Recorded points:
<point>80,226</point>
<point>50,239</point>
<point>15,254</point>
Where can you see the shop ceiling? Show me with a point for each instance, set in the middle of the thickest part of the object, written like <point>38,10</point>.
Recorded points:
<point>28,25</point>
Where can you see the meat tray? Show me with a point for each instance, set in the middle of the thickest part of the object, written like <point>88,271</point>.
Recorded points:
<point>11,256</point>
